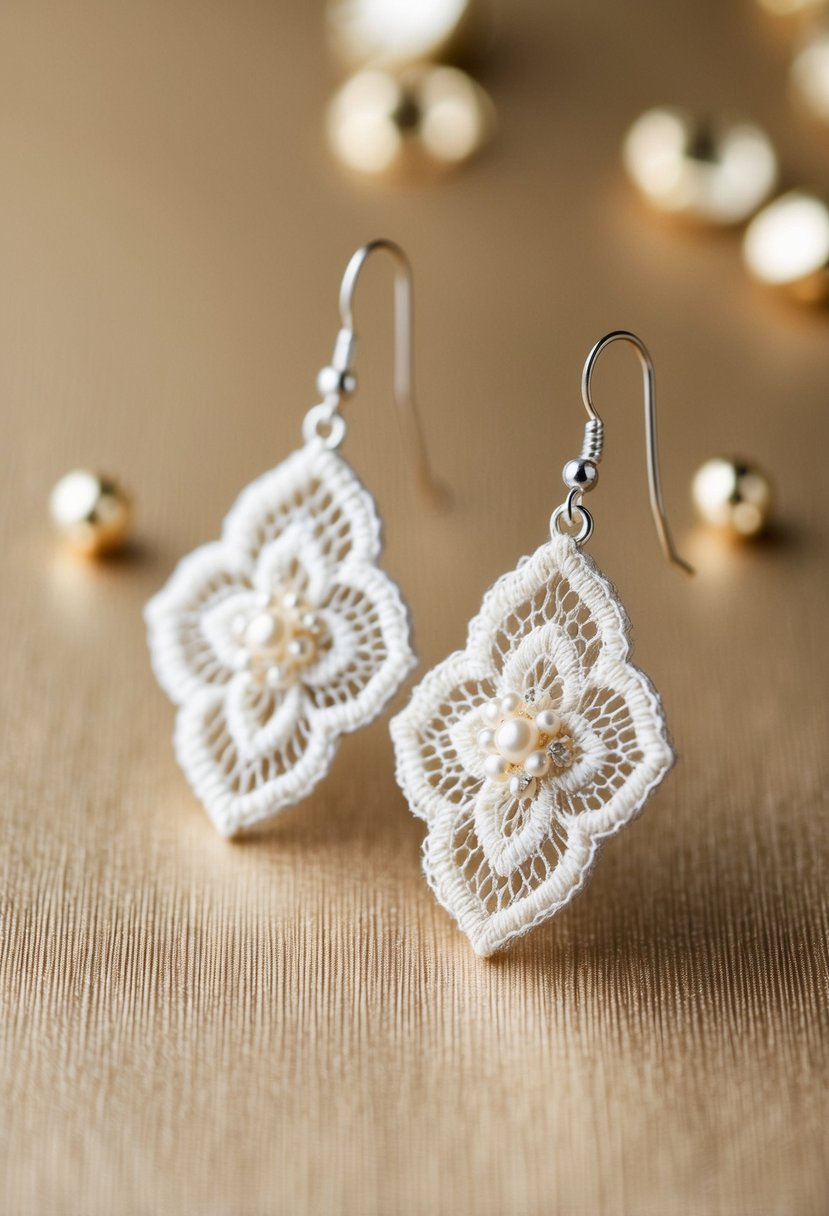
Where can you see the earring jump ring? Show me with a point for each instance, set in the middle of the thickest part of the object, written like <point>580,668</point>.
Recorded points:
<point>564,514</point>
<point>324,424</point>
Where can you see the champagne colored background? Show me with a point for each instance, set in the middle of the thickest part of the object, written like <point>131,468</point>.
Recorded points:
<point>290,1024</point>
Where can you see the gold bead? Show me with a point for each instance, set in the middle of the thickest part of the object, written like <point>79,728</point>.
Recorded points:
<point>420,120</point>
<point>92,512</point>
<point>712,173</point>
<point>786,246</point>
<point>810,73</point>
<point>733,495</point>
<point>788,9</point>
<point>388,33</point>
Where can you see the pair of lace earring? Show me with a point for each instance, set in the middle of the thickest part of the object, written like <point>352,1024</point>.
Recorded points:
<point>520,752</point>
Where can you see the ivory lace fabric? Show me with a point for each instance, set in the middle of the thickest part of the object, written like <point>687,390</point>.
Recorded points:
<point>552,636</point>
<point>278,638</point>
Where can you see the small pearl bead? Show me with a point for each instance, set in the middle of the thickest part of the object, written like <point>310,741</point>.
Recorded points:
<point>274,677</point>
<point>519,787</point>
<point>311,622</point>
<point>537,764</point>
<point>516,738</point>
<point>496,768</point>
<point>263,630</point>
<point>510,703</point>
<point>547,721</point>
<point>492,713</point>
<point>486,740</point>
<point>290,599</point>
<point>301,648</point>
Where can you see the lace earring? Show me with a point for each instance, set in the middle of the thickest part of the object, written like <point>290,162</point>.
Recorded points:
<point>277,639</point>
<point>524,750</point>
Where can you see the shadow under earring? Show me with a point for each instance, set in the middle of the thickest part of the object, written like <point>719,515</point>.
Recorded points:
<point>522,751</point>
<point>282,636</point>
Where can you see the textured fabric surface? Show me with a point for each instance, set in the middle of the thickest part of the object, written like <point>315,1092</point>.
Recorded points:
<point>290,1024</point>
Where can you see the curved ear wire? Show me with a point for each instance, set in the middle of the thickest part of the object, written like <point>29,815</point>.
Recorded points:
<point>337,382</point>
<point>594,436</point>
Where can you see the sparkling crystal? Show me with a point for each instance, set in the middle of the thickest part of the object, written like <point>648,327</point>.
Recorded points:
<point>560,751</point>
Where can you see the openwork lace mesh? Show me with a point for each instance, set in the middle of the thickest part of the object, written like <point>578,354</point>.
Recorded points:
<point>554,633</point>
<point>279,638</point>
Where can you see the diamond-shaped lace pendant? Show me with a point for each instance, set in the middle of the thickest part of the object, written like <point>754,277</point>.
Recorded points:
<point>522,751</point>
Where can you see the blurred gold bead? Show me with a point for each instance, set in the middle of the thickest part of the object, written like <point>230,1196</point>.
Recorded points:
<point>793,8</point>
<point>420,120</point>
<point>394,33</point>
<point>713,173</point>
<point>786,245</point>
<point>810,73</point>
<point>93,513</point>
<point>733,495</point>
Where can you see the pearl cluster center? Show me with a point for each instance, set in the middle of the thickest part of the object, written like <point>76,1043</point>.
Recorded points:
<point>278,637</point>
<point>520,746</point>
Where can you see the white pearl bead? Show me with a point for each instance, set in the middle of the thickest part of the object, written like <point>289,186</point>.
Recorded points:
<point>516,738</point>
<point>263,630</point>
<point>492,713</point>
<point>311,622</point>
<point>519,787</point>
<point>510,703</point>
<point>496,768</point>
<point>486,740</point>
<point>537,764</point>
<point>274,677</point>
<point>290,599</point>
<point>301,649</point>
<point>547,721</point>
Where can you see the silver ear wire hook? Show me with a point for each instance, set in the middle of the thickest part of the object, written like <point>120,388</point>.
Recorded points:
<point>581,475</point>
<point>337,382</point>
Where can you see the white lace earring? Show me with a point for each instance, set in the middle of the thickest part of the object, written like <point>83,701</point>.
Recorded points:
<point>524,750</point>
<point>283,635</point>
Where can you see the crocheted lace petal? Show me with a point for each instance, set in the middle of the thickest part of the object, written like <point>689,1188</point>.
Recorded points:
<point>260,720</point>
<point>184,657</point>
<point>316,488</point>
<point>239,791</point>
<point>430,770</point>
<point>463,736</point>
<point>296,562</point>
<point>369,654</point>
<point>492,908</point>
<point>511,829</point>
<point>558,583</point>
<point>623,717</point>
<point>544,666</point>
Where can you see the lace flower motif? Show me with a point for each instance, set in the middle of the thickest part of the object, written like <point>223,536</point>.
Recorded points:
<point>278,639</point>
<point>525,749</point>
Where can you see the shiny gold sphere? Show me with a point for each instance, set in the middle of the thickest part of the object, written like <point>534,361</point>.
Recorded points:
<point>786,246</point>
<point>396,33</point>
<point>733,495</point>
<point>93,513</point>
<point>711,173</point>
<point>421,120</point>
